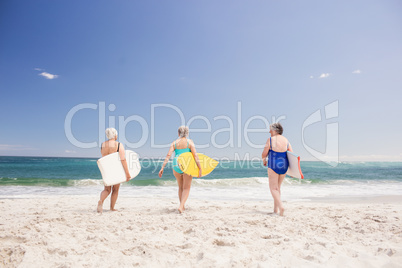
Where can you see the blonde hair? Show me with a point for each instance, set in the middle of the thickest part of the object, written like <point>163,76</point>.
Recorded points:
<point>111,133</point>
<point>183,131</point>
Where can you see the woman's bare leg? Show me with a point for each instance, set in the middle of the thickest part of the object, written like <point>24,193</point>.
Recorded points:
<point>104,194</point>
<point>281,178</point>
<point>179,178</point>
<point>274,179</point>
<point>187,179</point>
<point>113,198</point>
<point>275,201</point>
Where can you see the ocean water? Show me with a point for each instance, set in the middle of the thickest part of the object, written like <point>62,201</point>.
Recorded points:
<point>24,177</point>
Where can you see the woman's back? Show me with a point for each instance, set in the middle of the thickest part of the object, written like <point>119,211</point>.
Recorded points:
<point>182,143</point>
<point>109,147</point>
<point>279,143</point>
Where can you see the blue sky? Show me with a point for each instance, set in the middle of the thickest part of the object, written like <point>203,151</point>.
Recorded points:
<point>275,59</point>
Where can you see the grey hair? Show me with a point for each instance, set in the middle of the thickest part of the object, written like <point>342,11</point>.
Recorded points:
<point>183,131</point>
<point>111,133</point>
<point>277,127</point>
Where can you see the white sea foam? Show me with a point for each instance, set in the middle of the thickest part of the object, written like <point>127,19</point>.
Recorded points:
<point>202,189</point>
<point>233,182</point>
<point>87,182</point>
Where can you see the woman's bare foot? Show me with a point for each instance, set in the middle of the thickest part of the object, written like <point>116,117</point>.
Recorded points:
<point>100,207</point>
<point>113,209</point>
<point>282,210</point>
<point>181,210</point>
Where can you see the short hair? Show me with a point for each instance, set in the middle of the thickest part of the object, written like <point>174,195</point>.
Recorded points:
<point>277,127</point>
<point>183,131</point>
<point>111,133</point>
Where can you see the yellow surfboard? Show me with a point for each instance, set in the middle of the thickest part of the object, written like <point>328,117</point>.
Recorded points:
<point>187,164</point>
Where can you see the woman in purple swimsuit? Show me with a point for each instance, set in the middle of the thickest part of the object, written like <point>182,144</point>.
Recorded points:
<point>276,149</point>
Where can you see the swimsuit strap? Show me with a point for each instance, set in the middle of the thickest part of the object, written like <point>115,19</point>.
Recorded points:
<point>118,146</point>
<point>187,144</point>
<point>270,143</point>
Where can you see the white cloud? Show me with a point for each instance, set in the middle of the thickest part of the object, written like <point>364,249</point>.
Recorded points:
<point>325,75</point>
<point>311,76</point>
<point>38,69</point>
<point>48,75</point>
<point>356,72</point>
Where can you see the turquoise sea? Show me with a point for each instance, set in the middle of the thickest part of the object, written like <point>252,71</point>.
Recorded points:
<point>22,177</point>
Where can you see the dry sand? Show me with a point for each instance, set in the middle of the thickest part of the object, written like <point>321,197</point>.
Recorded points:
<point>66,231</point>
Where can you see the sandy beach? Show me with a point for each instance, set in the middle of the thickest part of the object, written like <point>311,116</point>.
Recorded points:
<point>65,231</point>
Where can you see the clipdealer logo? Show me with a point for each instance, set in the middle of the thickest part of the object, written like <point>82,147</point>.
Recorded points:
<point>331,154</point>
<point>236,128</point>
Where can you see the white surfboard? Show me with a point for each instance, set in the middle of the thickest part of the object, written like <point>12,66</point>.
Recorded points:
<point>294,169</point>
<point>112,170</point>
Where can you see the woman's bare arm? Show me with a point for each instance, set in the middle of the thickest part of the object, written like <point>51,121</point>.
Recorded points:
<point>103,149</point>
<point>122,154</point>
<point>290,149</point>
<point>265,152</point>
<point>169,154</point>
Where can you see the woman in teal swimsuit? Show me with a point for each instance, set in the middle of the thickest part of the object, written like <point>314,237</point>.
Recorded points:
<point>179,146</point>
<point>276,148</point>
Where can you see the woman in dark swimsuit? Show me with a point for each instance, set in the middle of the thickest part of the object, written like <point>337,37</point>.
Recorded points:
<point>108,147</point>
<point>276,148</point>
